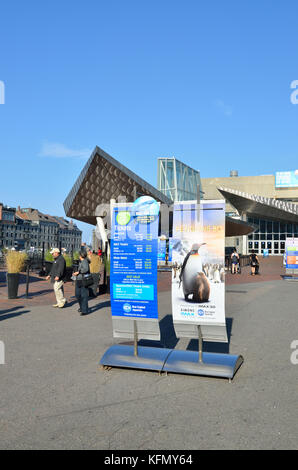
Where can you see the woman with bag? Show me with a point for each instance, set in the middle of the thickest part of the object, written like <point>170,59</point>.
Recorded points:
<point>83,281</point>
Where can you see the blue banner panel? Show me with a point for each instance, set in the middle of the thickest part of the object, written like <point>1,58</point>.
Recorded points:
<point>286,179</point>
<point>134,253</point>
<point>162,246</point>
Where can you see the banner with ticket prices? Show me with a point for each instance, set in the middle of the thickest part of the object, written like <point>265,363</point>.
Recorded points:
<point>198,262</point>
<point>134,249</point>
<point>291,253</point>
<point>162,246</point>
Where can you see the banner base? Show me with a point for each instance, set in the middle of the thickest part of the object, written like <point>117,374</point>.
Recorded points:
<point>144,357</point>
<point>212,364</point>
<point>169,360</point>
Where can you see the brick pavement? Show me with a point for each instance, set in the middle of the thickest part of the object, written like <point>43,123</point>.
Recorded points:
<point>41,291</point>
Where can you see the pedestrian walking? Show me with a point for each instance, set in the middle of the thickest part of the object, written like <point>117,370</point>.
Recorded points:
<point>254,263</point>
<point>57,275</point>
<point>235,260</point>
<point>81,290</point>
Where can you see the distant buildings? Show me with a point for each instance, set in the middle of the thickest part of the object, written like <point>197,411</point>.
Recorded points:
<point>29,228</point>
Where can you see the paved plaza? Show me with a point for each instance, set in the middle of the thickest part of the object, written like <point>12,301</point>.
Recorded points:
<point>55,395</point>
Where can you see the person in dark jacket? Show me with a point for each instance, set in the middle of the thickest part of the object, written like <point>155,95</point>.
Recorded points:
<point>82,292</point>
<point>57,275</point>
<point>254,263</point>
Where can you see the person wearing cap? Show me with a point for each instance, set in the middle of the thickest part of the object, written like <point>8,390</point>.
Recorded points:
<point>57,275</point>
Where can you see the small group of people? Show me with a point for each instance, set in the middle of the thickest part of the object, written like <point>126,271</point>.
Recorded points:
<point>253,261</point>
<point>57,275</point>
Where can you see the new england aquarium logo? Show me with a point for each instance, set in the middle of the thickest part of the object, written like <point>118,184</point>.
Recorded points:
<point>127,308</point>
<point>123,218</point>
<point>201,312</point>
<point>145,210</point>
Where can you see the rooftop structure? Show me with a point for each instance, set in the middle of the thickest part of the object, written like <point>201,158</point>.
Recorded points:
<point>178,181</point>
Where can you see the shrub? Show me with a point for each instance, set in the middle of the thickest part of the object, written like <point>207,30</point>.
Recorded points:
<point>15,261</point>
<point>68,260</point>
<point>48,256</point>
<point>107,265</point>
<point>95,263</point>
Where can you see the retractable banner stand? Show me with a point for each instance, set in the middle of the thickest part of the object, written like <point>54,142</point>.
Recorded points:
<point>133,281</point>
<point>198,282</point>
<point>162,246</point>
<point>198,287</point>
<point>291,248</point>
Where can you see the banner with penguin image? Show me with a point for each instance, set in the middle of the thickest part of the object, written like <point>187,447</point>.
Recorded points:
<point>198,262</point>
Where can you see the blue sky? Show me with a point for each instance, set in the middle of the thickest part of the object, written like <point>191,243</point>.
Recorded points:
<point>207,82</point>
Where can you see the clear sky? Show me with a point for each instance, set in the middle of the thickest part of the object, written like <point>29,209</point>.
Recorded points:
<point>205,81</point>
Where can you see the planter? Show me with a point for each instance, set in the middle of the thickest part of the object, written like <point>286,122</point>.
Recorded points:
<point>13,285</point>
<point>68,274</point>
<point>48,266</point>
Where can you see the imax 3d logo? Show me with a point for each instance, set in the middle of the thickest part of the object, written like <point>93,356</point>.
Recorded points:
<point>294,94</point>
<point>2,353</point>
<point>2,92</point>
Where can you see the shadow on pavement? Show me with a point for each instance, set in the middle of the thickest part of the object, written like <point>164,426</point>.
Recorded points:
<point>221,348</point>
<point>11,312</point>
<point>36,294</point>
<point>99,306</point>
<point>168,338</point>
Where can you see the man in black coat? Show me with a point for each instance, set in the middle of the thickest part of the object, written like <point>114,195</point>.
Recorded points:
<point>57,275</point>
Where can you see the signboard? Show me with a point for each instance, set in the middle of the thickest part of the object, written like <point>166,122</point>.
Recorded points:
<point>291,253</point>
<point>134,246</point>
<point>170,258</point>
<point>286,179</point>
<point>162,245</point>
<point>198,287</point>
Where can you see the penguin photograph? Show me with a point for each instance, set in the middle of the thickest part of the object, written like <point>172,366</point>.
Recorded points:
<point>192,277</point>
<point>198,271</point>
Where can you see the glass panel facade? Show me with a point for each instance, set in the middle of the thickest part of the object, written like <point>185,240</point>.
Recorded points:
<point>178,181</point>
<point>270,235</point>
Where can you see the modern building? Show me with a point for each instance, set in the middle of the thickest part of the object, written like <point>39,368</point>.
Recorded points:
<point>29,228</point>
<point>269,202</point>
<point>104,179</point>
<point>178,181</point>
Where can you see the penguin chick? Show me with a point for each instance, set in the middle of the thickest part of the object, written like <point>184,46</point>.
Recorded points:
<point>202,288</point>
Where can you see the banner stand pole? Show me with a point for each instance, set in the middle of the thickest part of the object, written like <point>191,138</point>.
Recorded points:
<point>135,334</point>
<point>200,343</point>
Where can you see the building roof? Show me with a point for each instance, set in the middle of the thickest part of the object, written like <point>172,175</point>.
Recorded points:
<point>30,214</point>
<point>261,207</point>
<point>103,178</point>
<point>236,227</point>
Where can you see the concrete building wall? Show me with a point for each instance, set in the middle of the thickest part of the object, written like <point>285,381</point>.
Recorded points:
<point>262,185</point>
